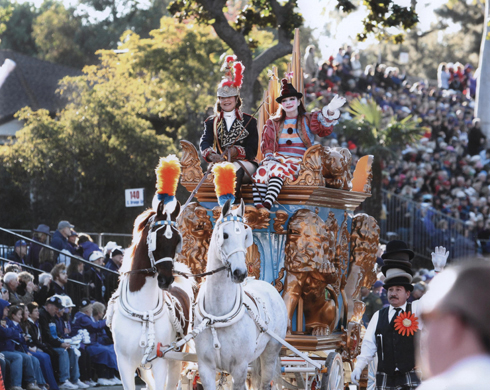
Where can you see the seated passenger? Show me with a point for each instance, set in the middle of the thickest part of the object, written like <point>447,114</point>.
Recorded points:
<point>100,349</point>
<point>231,132</point>
<point>285,139</point>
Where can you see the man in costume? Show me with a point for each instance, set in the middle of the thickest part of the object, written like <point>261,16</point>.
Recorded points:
<point>285,139</point>
<point>391,330</point>
<point>231,134</point>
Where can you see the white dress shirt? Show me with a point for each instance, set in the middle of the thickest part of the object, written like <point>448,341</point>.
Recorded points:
<point>230,117</point>
<point>369,348</point>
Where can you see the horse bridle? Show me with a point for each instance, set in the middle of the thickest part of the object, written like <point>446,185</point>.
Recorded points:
<point>151,241</point>
<point>225,256</point>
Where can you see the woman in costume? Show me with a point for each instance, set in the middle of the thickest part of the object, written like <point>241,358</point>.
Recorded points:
<point>285,139</point>
<point>230,133</point>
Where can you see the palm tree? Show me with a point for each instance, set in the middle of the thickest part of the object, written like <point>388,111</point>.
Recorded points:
<point>381,137</point>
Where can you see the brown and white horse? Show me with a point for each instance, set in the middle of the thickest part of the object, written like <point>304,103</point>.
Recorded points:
<point>150,306</point>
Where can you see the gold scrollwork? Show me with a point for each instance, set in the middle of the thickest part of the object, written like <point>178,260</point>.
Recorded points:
<point>196,228</point>
<point>257,218</point>
<point>191,163</point>
<point>311,168</point>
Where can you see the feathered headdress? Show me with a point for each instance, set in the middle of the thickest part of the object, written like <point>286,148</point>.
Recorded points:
<point>224,182</point>
<point>168,174</point>
<point>233,78</point>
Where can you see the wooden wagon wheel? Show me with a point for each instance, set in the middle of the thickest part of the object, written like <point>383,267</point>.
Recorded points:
<point>334,378</point>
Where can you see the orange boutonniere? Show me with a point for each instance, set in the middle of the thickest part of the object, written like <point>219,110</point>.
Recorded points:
<point>406,324</point>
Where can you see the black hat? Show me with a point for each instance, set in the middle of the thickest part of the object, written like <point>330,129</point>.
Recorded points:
<point>287,90</point>
<point>85,302</point>
<point>403,265</point>
<point>399,281</point>
<point>54,300</point>
<point>397,250</point>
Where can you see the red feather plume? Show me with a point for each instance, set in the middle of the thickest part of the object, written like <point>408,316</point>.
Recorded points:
<point>239,68</point>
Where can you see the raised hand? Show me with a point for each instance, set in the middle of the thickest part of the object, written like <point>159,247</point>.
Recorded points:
<point>336,102</point>
<point>439,258</point>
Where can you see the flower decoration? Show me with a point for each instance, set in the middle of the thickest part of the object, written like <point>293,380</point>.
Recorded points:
<point>406,324</point>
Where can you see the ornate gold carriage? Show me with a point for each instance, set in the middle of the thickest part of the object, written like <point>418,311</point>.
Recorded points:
<point>311,246</point>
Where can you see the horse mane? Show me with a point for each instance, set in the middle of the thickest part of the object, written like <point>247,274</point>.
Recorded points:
<point>139,225</point>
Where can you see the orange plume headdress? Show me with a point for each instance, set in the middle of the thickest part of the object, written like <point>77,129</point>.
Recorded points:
<point>168,174</point>
<point>224,182</point>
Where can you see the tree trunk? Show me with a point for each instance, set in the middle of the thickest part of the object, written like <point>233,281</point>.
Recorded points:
<point>237,42</point>
<point>373,205</point>
<point>482,109</point>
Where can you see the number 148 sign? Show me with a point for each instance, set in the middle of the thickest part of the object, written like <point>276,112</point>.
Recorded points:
<point>135,197</point>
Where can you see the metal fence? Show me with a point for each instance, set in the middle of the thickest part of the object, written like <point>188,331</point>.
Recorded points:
<point>424,228</point>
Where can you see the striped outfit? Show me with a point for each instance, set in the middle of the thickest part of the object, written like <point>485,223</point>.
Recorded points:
<point>287,143</point>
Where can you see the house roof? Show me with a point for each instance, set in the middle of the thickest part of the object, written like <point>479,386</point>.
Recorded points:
<point>32,83</point>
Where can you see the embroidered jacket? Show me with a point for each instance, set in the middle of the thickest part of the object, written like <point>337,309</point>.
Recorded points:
<point>312,124</point>
<point>216,137</point>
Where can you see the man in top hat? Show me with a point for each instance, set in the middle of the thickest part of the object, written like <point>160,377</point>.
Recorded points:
<point>456,335</point>
<point>40,235</point>
<point>391,331</point>
<point>231,134</point>
<point>19,253</point>
<point>286,137</point>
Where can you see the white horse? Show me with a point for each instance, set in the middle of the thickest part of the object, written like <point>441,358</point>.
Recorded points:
<point>235,338</point>
<point>141,312</point>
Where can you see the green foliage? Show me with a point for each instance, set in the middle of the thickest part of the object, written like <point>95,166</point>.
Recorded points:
<point>122,115</point>
<point>382,15</point>
<point>255,13</point>
<point>54,32</point>
<point>377,135</point>
<point>18,33</point>
<point>5,14</point>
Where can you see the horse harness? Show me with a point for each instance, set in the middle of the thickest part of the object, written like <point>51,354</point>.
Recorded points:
<point>151,241</point>
<point>175,305</point>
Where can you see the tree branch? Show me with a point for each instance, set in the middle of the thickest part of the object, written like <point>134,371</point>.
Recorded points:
<point>270,55</point>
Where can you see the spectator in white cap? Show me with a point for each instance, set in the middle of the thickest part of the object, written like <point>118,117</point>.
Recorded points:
<point>97,279</point>
<point>60,237</point>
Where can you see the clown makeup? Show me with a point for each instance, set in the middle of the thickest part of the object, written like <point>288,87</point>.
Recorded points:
<point>290,105</point>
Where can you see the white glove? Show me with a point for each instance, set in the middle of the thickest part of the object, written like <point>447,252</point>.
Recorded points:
<point>336,102</point>
<point>439,258</point>
<point>356,375</point>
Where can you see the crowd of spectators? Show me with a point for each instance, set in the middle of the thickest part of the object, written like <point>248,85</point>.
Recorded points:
<point>445,172</point>
<point>52,331</point>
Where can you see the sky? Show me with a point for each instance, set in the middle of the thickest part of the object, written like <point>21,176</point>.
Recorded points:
<point>316,14</point>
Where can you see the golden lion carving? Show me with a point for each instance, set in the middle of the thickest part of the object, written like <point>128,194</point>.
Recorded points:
<point>336,163</point>
<point>310,272</point>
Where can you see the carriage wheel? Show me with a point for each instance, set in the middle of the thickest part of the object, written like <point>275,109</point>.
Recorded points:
<point>334,378</point>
